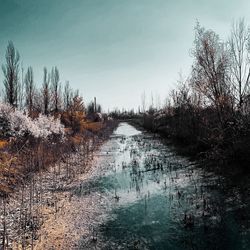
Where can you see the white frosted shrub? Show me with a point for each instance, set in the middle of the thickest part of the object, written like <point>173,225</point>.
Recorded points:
<point>20,123</point>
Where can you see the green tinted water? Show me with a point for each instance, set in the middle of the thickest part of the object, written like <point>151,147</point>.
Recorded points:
<point>160,200</point>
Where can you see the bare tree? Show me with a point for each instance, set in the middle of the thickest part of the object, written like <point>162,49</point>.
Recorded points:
<point>67,96</point>
<point>46,91</point>
<point>240,60</point>
<point>157,101</point>
<point>210,69</point>
<point>56,89</point>
<point>21,90</point>
<point>29,87</point>
<point>78,104</point>
<point>181,97</point>
<point>98,108</point>
<point>152,106</point>
<point>76,112</point>
<point>11,72</point>
<point>143,101</point>
<point>91,108</point>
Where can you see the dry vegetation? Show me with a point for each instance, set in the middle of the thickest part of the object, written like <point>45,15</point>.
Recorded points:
<point>46,142</point>
<point>93,126</point>
<point>32,176</point>
<point>209,111</point>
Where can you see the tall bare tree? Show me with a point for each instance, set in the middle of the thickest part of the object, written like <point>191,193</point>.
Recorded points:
<point>21,90</point>
<point>56,89</point>
<point>11,74</point>
<point>67,96</point>
<point>29,89</point>
<point>46,91</point>
<point>210,69</point>
<point>239,45</point>
<point>143,101</point>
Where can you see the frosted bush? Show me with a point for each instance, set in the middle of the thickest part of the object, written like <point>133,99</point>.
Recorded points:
<point>20,123</point>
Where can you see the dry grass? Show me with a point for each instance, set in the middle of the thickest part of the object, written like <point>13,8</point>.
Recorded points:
<point>8,173</point>
<point>93,126</point>
<point>90,126</point>
<point>3,144</point>
<point>12,170</point>
<point>76,140</point>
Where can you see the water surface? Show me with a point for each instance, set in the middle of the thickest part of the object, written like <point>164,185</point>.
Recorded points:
<point>159,200</point>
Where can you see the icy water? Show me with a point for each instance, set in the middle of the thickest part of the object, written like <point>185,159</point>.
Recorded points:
<point>159,200</point>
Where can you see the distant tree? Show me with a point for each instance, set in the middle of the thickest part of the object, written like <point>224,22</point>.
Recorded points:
<point>143,102</point>
<point>11,74</point>
<point>99,108</point>
<point>158,104</point>
<point>21,91</point>
<point>46,91</point>
<point>77,104</point>
<point>30,88</point>
<point>91,108</point>
<point>67,96</point>
<point>38,105</point>
<point>55,89</point>
<point>152,102</point>
<point>181,97</point>
<point>75,114</point>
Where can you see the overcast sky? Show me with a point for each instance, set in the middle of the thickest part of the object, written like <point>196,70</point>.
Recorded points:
<point>113,49</point>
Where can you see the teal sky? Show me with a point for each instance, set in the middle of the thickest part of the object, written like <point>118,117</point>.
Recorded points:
<point>113,49</point>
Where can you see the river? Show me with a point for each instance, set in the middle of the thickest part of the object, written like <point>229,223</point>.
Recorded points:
<point>160,200</point>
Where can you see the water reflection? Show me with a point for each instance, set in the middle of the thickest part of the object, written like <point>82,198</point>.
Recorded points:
<point>163,201</point>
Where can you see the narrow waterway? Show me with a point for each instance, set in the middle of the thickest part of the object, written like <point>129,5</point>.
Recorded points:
<point>159,200</point>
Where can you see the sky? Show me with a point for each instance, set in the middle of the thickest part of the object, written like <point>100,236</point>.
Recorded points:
<point>113,50</point>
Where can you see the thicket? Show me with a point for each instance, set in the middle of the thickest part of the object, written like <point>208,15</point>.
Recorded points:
<point>46,118</point>
<point>209,111</point>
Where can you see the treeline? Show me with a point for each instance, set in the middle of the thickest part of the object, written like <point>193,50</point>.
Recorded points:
<point>49,97</point>
<point>209,111</point>
<point>33,116</point>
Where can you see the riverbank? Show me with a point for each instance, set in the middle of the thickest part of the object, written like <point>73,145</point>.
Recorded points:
<point>30,213</point>
<point>161,200</point>
<point>152,198</point>
<point>219,159</point>
<point>75,221</point>
<point>182,148</point>
<point>137,193</point>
